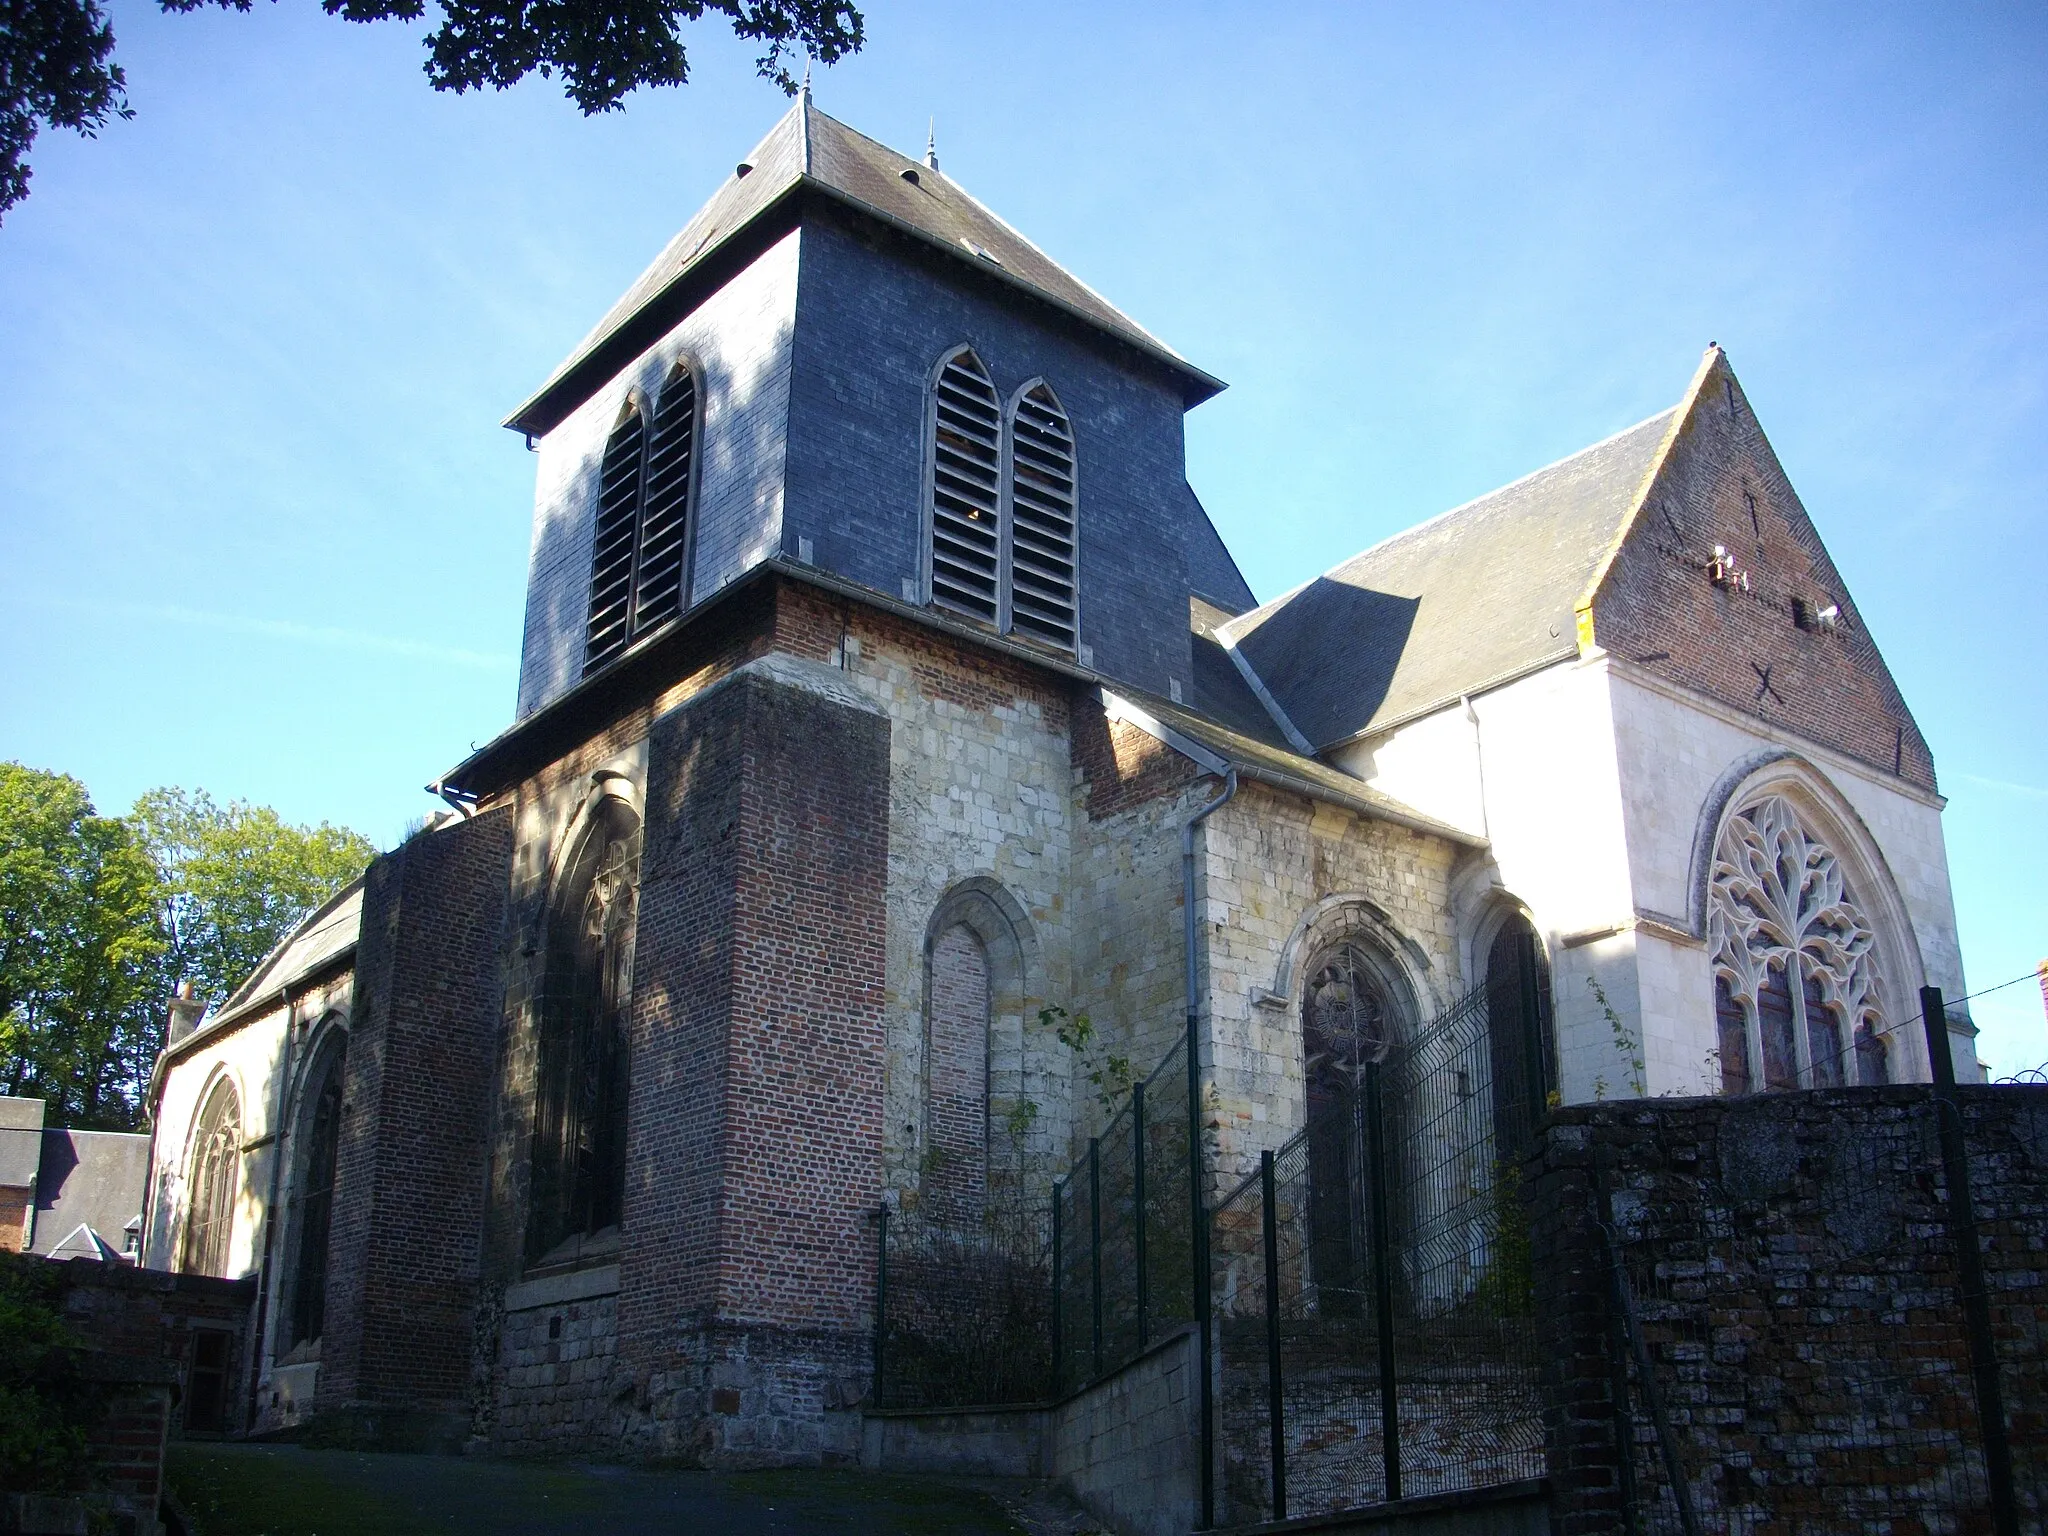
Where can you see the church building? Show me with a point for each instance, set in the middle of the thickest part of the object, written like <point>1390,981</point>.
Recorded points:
<point>887,701</point>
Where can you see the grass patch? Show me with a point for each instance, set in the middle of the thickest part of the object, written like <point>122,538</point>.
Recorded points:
<point>916,1506</point>
<point>251,1490</point>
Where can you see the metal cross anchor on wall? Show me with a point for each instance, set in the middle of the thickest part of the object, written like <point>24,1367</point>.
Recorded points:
<point>1763,683</point>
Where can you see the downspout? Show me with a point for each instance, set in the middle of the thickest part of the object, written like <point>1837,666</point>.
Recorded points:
<point>1187,875</point>
<point>1197,1198</point>
<point>263,1276</point>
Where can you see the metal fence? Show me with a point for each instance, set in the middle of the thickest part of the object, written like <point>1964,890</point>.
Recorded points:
<point>1122,1232</point>
<point>1026,1303</point>
<point>1375,1331</point>
<point>964,1315</point>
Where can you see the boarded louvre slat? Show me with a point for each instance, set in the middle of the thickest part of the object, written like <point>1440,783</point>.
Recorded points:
<point>1042,586</point>
<point>966,489</point>
<point>665,525</point>
<point>618,515</point>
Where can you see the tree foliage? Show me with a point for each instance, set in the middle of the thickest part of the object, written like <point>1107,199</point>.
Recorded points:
<point>101,918</point>
<point>57,69</point>
<point>233,880</point>
<point>80,950</point>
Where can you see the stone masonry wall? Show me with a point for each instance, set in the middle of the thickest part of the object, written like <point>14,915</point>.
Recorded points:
<point>1794,1272</point>
<point>1127,1447</point>
<point>1272,863</point>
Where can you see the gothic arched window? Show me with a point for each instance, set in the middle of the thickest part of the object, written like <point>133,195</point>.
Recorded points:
<point>579,1132</point>
<point>1794,957</point>
<point>314,1205</point>
<point>966,506</point>
<point>956,1108</point>
<point>1040,541</point>
<point>216,1182</point>
<point>641,542</point>
<point>1349,1021</point>
<point>1519,1027</point>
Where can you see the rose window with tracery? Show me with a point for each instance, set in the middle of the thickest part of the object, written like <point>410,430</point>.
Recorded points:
<point>1796,983</point>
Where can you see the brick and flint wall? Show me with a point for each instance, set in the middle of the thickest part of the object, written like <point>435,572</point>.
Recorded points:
<point>403,1259</point>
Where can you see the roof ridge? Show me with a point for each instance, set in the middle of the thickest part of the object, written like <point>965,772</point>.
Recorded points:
<point>1502,490</point>
<point>1266,609</point>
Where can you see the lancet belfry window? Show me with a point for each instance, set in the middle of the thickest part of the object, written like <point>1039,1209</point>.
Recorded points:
<point>1003,498</point>
<point>645,480</point>
<point>216,1181</point>
<point>314,1216</point>
<point>579,1132</point>
<point>967,458</point>
<point>1796,985</point>
<point>1041,527</point>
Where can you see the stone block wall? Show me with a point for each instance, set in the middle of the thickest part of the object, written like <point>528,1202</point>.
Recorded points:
<point>1794,1272</point>
<point>1281,876</point>
<point>403,1248</point>
<point>1127,1447</point>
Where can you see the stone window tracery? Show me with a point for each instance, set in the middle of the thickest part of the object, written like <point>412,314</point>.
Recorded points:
<point>579,1133</point>
<point>1349,1020</point>
<point>1797,988</point>
<point>216,1181</point>
<point>308,1298</point>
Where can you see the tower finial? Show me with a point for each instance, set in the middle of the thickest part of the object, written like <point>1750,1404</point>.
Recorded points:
<point>931,144</point>
<point>805,95</point>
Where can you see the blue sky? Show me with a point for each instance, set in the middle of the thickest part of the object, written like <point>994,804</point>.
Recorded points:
<point>260,532</point>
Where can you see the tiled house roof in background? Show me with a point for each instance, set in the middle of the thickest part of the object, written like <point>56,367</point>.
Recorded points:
<point>1455,605</point>
<point>808,150</point>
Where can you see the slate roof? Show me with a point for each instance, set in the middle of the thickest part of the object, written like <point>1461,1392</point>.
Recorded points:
<point>808,150</point>
<point>1468,600</point>
<point>326,934</point>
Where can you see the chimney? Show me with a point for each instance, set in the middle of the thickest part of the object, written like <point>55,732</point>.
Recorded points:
<point>185,1011</point>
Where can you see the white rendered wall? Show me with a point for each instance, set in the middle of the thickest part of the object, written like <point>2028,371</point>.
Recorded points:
<point>1591,783</point>
<point>1532,768</point>
<point>1673,749</point>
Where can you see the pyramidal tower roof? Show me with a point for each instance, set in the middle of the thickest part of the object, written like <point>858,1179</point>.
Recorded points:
<point>808,151</point>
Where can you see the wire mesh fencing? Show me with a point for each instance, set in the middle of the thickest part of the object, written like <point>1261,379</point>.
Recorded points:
<point>964,1314</point>
<point>1022,1303</point>
<point>1122,1232</point>
<point>1375,1330</point>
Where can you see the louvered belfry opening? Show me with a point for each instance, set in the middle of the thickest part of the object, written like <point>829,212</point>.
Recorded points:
<point>1042,519</point>
<point>643,520</point>
<point>664,529</point>
<point>618,521</point>
<point>966,496</point>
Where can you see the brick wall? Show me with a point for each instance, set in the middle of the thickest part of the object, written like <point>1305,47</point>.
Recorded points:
<point>755,1123</point>
<point>403,1250</point>
<point>1722,485</point>
<point>1791,1262</point>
